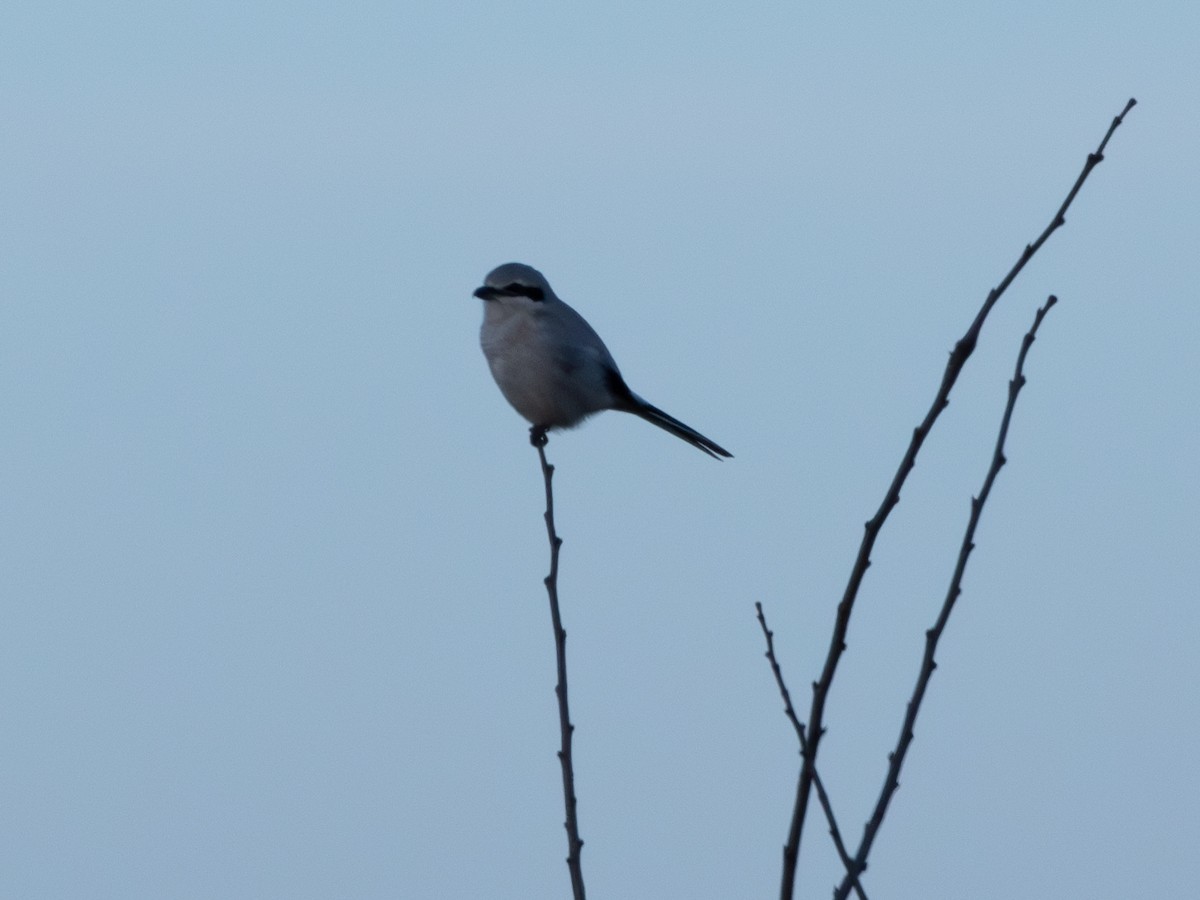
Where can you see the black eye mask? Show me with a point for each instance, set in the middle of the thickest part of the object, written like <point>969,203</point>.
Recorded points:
<point>524,290</point>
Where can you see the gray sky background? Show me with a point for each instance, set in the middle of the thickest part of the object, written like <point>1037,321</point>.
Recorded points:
<point>271,544</point>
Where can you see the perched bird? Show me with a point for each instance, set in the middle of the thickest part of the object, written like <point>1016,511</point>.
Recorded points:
<point>549,363</point>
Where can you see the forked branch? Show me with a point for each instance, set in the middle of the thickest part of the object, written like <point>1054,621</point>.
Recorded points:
<point>958,357</point>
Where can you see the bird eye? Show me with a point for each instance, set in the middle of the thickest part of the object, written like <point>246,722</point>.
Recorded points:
<point>525,290</point>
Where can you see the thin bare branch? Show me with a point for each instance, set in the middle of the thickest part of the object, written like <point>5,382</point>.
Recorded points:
<point>958,357</point>
<point>537,437</point>
<point>934,634</point>
<point>822,796</point>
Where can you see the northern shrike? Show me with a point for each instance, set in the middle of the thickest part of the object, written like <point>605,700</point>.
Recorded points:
<point>549,363</point>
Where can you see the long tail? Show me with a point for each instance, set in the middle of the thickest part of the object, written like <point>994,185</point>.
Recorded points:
<point>653,414</point>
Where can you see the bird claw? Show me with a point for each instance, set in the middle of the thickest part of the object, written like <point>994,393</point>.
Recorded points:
<point>537,436</point>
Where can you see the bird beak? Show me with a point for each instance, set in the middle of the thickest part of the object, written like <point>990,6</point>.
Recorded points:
<point>486,293</point>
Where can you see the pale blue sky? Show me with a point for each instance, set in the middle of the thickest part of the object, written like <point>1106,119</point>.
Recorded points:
<point>271,545</point>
